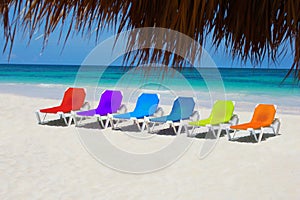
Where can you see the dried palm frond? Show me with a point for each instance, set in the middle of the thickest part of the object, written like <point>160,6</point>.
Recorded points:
<point>251,29</point>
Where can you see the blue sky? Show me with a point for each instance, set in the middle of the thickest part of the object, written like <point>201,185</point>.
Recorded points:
<point>77,48</point>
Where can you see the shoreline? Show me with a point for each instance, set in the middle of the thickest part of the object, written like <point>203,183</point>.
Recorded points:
<point>244,102</point>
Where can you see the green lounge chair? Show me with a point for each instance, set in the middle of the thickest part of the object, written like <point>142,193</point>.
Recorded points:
<point>221,117</point>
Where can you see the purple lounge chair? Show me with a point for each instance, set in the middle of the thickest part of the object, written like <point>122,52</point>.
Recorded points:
<point>110,102</point>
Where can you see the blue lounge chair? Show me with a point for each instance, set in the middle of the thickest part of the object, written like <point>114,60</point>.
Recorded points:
<point>183,109</point>
<point>146,105</point>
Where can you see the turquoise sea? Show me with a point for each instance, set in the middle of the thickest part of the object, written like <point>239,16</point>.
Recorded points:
<point>245,80</point>
<point>241,84</point>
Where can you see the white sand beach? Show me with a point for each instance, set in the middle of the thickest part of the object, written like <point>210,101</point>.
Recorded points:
<point>49,162</point>
<point>191,56</point>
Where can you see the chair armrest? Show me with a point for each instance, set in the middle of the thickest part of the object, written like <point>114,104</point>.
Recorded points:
<point>234,119</point>
<point>146,119</point>
<point>85,106</point>
<point>99,116</point>
<point>159,112</point>
<point>122,109</point>
<point>276,125</point>
<point>195,116</point>
<point>110,116</point>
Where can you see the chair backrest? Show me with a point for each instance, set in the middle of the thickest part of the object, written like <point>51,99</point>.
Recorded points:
<point>222,111</point>
<point>146,104</point>
<point>183,108</point>
<point>264,114</point>
<point>110,102</point>
<point>73,98</point>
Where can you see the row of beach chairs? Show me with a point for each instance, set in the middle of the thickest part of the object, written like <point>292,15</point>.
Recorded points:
<point>146,115</point>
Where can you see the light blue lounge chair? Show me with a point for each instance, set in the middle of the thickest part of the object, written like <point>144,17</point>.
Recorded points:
<point>183,109</point>
<point>146,105</point>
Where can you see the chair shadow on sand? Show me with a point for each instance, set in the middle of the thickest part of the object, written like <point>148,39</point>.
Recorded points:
<point>134,128</point>
<point>243,139</point>
<point>129,128</point>
<point>250,138</point>
<point>61,123</point>
<point>166,131</point>
<point>56,122</point>
<point>170,132</point>
<point>96,125</point>
<point>91,125</point>
<point>207,135</point>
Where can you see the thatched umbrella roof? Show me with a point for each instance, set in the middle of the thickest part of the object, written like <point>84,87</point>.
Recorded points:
<point>251,29</point>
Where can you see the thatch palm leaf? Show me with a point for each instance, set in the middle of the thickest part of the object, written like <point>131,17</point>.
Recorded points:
<point>251,29</point>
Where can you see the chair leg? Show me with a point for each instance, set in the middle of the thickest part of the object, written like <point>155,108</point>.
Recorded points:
<point>186,130</point>
<point>70,120</point>
<point>80,120</point>
<point>148,128</point>
<point>275,126</point>
<point>154,124</point>
<point>174,128</point>
<point>144,126</point>
<point>273,129</point>
<point>192,131</point>
<point>116,124</point>
<point>219,132</point>
<point>253,133</point>
<point>227,133</point>
<point>75,120</point>
<point>38,117</point>
<point>100,121</point>
<point>112,123</point>
<point>211,128</point>
<point>179,129</point>
<point>107,123</point>
<point>234,132</point>
<point>137,124</point>
<point>260,134</point>
<point>62,116</point>
<point>65,119</point>
<point>72,117</point>
<point>41,121</point>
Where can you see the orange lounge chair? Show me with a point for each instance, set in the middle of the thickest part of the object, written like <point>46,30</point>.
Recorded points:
<point>263,118</point>
<point>73,100</point>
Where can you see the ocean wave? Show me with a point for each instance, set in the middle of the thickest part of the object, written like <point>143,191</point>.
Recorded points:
<point>44,85</point>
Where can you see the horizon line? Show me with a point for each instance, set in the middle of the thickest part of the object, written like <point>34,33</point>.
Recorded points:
<point>72,65</point>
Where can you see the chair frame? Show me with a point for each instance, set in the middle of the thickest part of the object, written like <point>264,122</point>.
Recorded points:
<point>135,120</point>
<point>100,118</point>
<point>275,126</point>
<point>213,128</point>
<point>147,123</point>
<point>61,115</point>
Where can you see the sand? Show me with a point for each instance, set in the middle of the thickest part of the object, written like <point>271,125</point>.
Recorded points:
<point>50,162</point>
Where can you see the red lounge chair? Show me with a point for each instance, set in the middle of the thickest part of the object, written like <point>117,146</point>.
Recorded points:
<point>263,118</point>
<point>73,100</point>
